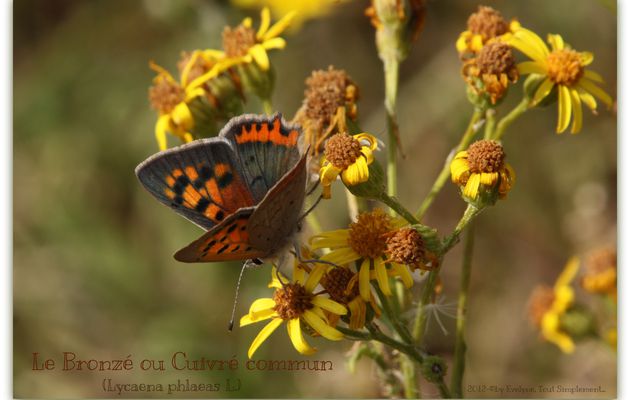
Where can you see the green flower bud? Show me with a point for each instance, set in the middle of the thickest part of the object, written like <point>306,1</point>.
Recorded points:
<point>433,368</point>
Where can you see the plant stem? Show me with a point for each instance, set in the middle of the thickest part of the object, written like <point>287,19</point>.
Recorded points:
<point>390,66</point>
<point>511,117</point>
<point>459,362</point>
<point>396,324</point>
<point>393,203</point>
<point>267,106</point>
<point>420,321</point>
<point>490,123</point>
<point>467,137</point>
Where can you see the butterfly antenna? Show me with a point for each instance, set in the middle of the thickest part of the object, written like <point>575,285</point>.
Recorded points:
<point>312,189</point>
<point>246,264</point>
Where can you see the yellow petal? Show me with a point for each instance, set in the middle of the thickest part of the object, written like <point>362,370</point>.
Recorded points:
<point>356,173</point>
<point>542,91</point>
<point>381,276</point>
<point>587,58</point>
<point>476,44</point>
<point>555,41</point>
<point>529,44</point>
<point>357,312</point>
<point>162,73</point>
<point>161,126</point>
<point>488,178</point>
<point>279,26</point>
<point>263,335</point>
<point>404,274</point>
<point>314,277</point>
<point>341,256</point>
<point>594,76</point>
<point>569,272</point>
<point>260,56</point>
<point>593,89</point>
<point>588,99</point>
<point>328,173</point>
<point>261,304</point>
<point>191,62</point>
<point>462,41</point>
<point>330,239</point>
<point>275,43</point>
<point>257,317</point>
<point>531,67</point>
<point>299,274</point>
<point>295,334</point>
<point>320,326</point>
<point>366,137</point>
<point>576,106</point>
<point>265,20</point>
<point>459,170</point>
<point>182,116</point>
<point>471,190</point>
<point>551,332</point>
<point>329,305</point>
<point>364,280</point>
<point>247,22</point>
<point>564,108</point>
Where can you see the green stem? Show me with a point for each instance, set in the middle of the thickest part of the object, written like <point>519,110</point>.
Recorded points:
<point>267,106</point>
<point>390,66</point>
<point>396,323</point>
<point>490,123</point>
<point>511,117</point>
<point>467,137</point>
<point>409,377</point>
<point>444,392</point>
<point>393,203</point>
<point>459,362</point>
<point>420,321</point>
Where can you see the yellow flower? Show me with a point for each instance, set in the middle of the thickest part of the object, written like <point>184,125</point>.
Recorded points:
<point>484,26</point>
<point>244,45</point>
<point>305,9</point>
<point>346,155</point>
<point>172,99</point>
<point>482,168</point>
<point>364,242</point>
<point>294,302</point>
<point>563,299</point>
<point>562,68</point>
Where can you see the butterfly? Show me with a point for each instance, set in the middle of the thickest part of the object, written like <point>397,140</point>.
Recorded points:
<point>245,187</point>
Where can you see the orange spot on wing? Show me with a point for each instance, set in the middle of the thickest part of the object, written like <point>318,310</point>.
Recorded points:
<point>211,212</point>
<point>213,191</point>
<point>191,196</point>
<point>191,173</point>
<point>169,193</point>
<point>221,169</point>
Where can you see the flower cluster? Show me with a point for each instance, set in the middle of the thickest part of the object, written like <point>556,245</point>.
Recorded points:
<point>213,84</point>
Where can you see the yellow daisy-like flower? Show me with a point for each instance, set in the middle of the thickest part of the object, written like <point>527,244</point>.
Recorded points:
<point>482,167</point>
<point>245,45</point>
<point>172,99</point>
<point>349,156</point>
<point>363,242</point>
<point>564,69</point>
<point>562,300</point>
<point>484,26</point>
<point>294,303</point>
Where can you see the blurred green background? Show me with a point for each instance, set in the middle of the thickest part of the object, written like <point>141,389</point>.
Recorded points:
<point>93,266</point>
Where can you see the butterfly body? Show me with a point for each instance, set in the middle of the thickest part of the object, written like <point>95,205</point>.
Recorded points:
<point>246,188</point>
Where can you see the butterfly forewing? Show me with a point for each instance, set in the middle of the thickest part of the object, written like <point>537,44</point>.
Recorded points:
<point>200,180</point>
<point>266,148</point>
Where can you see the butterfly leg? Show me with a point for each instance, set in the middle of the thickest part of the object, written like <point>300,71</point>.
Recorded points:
<point>298,255</point>
<point>312,189</point>
<point>310,209</point>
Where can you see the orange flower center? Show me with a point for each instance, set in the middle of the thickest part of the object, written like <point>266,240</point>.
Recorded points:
<point>237,41</point>
<point>291,301</point>
<point>564,67</point>
<point>405,246</point>
<point>165,95</point>
<point>485,156</point>
<point>487,22</point>
<point>366,235</point>
<point>336,282</point>
<point>342,150</point>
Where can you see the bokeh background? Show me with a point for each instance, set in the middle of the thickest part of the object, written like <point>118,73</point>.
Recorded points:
<point>93,266</point>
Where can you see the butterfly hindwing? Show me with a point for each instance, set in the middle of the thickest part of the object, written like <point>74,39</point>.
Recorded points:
<point>226,241</point>
<point>276,217</point>
<point>266,148</point>
<point>200,180</point>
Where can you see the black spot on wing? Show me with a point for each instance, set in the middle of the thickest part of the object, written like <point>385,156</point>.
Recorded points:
<point>222,249</point>
<point>219,215</point>
<point>225,180</point>
<point>202,205</point>
<point>180,184</point>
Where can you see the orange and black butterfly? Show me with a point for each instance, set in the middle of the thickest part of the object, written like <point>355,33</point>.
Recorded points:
<point>246,188</point>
